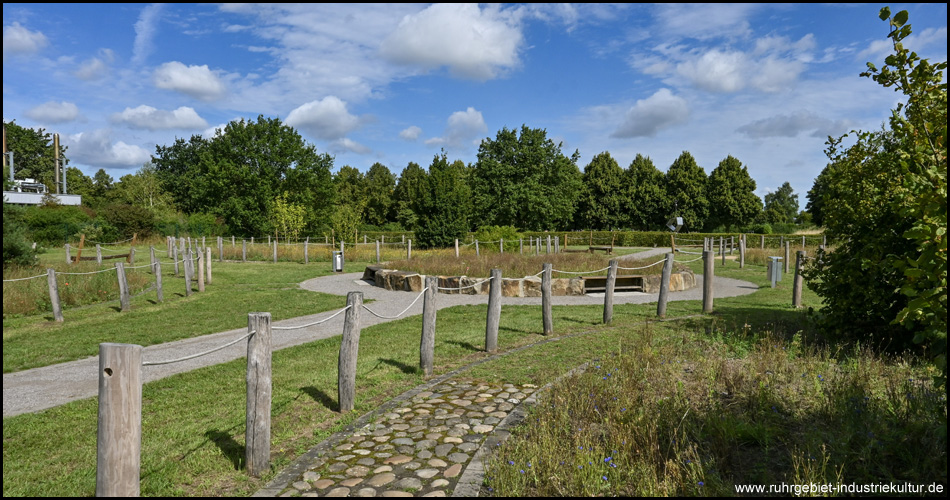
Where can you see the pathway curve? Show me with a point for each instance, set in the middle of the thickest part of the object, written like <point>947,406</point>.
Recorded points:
<point>46,387</point>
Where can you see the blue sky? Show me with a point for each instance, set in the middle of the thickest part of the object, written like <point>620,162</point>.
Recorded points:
<point>395,83</point>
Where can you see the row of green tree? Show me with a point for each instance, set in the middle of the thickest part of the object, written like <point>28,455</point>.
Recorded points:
<point>262,177</point>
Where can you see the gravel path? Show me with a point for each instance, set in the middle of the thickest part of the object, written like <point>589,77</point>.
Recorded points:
<point>46,387</point>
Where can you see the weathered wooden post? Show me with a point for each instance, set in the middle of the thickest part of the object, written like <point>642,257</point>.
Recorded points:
<point>609,291</point>
<point>175,258</point>
<point>799,279</point>
<point>220,249</point>
<point>157,271</point>
<point>201,270</point>
<point>259,386</point>
<point>521,246</point>
<point>501,245</point>
<point>151,255</point>
<point>547,319</point>
<point>664,286</point>
<point>123,287</point>
<point>377,250</point>
<point>742,252</point>
<point>722,249</point>
<point>403,239</point>
<point>456,248</point>
<point>824,240</point>
<point>232,241</point>
<point>557,244</point>
<point>548,247</point>
<point>268,240</point>
<point>788,249</point>
<point>409,251</point>
<point>168,247</point>
<point>476,248</point>
<point>349,348</point>
<point>306,251</point>
<point>188,271</point>
<point>762,240</point>
<point>54,295</point>
<point>275,250</point>
<point>98,254</point>
<point>732,244</point>
<point>494,312</point>
<point>708,258</point>
<point>69,259</point>
<point>427,344</point>
<point>803,242</point>
<point>119,437</point>
<point>364,239</point>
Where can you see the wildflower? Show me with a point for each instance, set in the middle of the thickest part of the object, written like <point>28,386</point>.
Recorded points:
<point>522,471</point>
<point>604,478</point>
<point>702,483</point>
<point>510,462</point>
<point>607,459</point>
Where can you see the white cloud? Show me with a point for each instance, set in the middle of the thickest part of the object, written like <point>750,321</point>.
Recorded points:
<point>793,125</point>
<point>54,112</point>
<point>144,33</point>
<point>96,67</point>
<point>344,144</point>
<point>197,81</point>
<point>97,150</point>
<point>473,43</point>
<point>703,21</point>
<point>326,119</point>
<point>716,71</point>
<point>648,116</point>
<point>18,40</point>
<point>463,128</point>
<point>410,133</point>
<point>149,118</point>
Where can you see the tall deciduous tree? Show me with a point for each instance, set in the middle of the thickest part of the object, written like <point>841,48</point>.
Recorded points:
<point>443,214</point>
<point>781,206</point>
<point>602,196</point>
<point>732,199</point>
<point>410,194</point>
<point>885,201</point>
<point>645,202</point>
<point>380,186</point>
<point>816,195</point>
<point>686,192</point>
<point>524,180</point>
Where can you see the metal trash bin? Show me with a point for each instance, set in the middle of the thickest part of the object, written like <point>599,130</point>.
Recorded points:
<point>774,270</point>
<point>337,261</point>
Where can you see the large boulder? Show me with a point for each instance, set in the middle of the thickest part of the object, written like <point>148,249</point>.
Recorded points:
<point>532,286</point>
<point>512,288</point>
<point>450,282</point>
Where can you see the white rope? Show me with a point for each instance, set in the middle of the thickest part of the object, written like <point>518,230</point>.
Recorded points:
<point>644,267</point>
<point>113,243</point>
<point>581,272</point>
<point>687,261</point>
<point>139,267</point>
<point>150,363</point>
<point>23,279</point>
<point>468,286</point>
<point>374,313</point>
<point>92,272</point>
<point>324,320</point>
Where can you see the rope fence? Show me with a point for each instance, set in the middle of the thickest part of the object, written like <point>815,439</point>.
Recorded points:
<point>24,279</point>
<point>473,285</point>
<point>193,356</point>
<point>318,322</point>
<point>374,313</point>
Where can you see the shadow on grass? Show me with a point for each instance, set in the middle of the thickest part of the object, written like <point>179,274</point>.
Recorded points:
<point>407,369</point>
<point>322,398</point>
<point>231,449</point>
<point>465,345</point>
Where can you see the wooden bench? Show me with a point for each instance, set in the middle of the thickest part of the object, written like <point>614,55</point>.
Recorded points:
<point>624,283</point>
<point>609,250</point>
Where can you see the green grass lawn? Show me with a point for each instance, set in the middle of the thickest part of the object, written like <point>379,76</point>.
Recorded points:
<point>193,423</point>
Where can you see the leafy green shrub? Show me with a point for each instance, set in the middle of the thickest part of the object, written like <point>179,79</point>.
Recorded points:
<point>17,251</point>
<point>130,219</point>
<point>55,225</point>
<point>495,233</point>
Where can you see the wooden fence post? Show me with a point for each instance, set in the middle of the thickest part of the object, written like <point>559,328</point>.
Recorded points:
<point>409,251</point>
<point>799,279</point>
<point>609,291</point>
<point>306,251</point>
<point>232,241</point>
<point>69,259</point>
<point>168,247</point>
<point>208,263</point>
<point>275,250</point>
<point>664,286</point>
<point>98,254</point>
<point>456,248</point>
<point>349,349</point>
<point>494,312</point>
<point>151,255</point>
<point>521,246</point>
<point>762,240</point>
<point>259,386</point>
<point>722,249</point>
<point>427,344</point>
<point>188,271</point>
<point>221,249</point>
<point>119,438</point>
<point>548,247</point>
<point>377,251</point>
<point>201,270</point>
<point>788,249</point>
<point>175,258</point>
<point>123,287</point>
<point>708,261</point>
<point>243,250</point>
<point>742,252</point>
<point>501,245</point>
<point>547,319</point>
<point>476,248</point>
<point>157,271</point>
<point>54,295</point>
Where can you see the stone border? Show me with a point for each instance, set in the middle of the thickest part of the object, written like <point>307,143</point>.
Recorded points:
<point>529,286</point>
